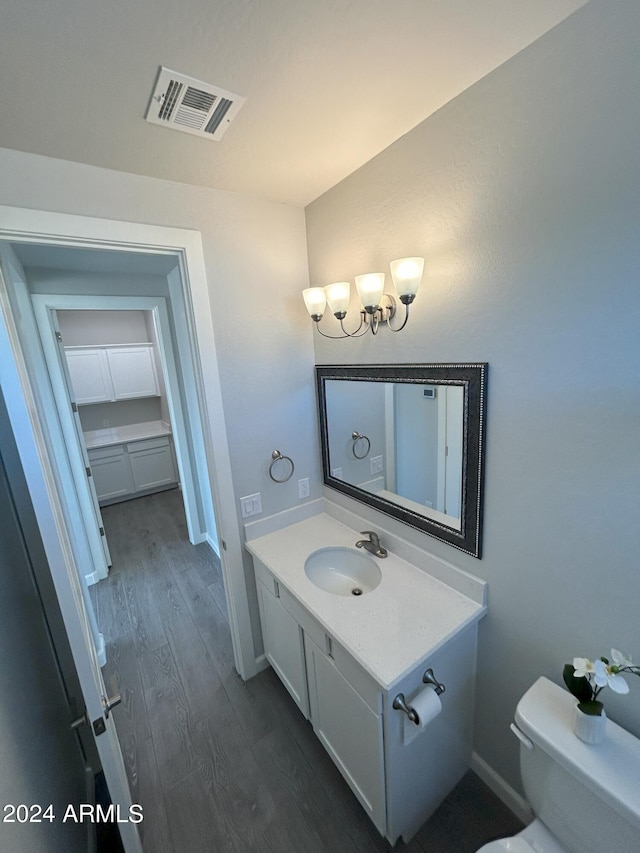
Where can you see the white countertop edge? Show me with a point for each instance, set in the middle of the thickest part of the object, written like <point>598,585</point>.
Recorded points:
<point>109,436</point>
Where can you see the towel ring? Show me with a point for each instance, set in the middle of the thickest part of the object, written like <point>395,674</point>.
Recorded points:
<point>356,438</point>
<point>276,456</point>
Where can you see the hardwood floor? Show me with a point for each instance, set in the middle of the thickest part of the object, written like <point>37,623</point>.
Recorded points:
<point>220,766</point>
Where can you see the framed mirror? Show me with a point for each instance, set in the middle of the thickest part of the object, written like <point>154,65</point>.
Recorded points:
<point>408,440</point>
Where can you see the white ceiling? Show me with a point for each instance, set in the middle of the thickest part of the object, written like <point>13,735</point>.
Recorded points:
<point>329,83</point>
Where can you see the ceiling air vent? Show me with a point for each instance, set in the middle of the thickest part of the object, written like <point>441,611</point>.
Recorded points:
<point>192,106</point>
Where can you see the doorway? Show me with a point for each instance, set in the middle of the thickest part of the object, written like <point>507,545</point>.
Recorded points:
<point>188,290</point>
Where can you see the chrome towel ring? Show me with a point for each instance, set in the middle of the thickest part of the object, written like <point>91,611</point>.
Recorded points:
<point>276,456</point>
<point>356,438</point>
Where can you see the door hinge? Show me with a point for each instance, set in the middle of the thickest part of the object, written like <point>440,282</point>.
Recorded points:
<point>88,470</point>
<point>74,408</point>
<point>59,337</point>
<point>101,529</point>
<point>224,545</point>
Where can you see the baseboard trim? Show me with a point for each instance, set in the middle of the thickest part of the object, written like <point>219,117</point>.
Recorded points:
<point>261,663</point>
<point>501,789</point>
<point>92,578</point>
<point>213,545</point>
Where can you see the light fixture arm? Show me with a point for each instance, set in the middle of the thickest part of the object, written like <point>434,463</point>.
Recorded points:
<point>406,316</point>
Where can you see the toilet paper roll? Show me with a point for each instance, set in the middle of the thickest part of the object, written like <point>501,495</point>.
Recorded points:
<point>427,705</point>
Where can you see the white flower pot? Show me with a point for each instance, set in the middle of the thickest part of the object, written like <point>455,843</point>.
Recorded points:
<point>589,728</point>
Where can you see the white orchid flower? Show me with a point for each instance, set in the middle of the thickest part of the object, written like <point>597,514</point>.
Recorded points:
<point>604,677</point>
<point>619,659</point>
<point>583,668</point>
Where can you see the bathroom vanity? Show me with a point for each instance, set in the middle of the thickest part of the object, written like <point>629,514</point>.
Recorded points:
<point>346,658</point>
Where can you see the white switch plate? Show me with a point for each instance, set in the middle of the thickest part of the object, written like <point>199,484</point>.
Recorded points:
<point>251,505</point>
<point>303,488</point>
<point>376,465</point>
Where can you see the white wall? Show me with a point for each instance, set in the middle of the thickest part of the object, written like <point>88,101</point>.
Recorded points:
<point>523,194</point>
<point>255,257</point>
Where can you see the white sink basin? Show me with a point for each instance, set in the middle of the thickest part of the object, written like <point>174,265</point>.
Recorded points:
<point>342,571</point>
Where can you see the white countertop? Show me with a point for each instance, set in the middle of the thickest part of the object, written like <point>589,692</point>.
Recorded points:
<point>120,435</point>
<point>389,630</point>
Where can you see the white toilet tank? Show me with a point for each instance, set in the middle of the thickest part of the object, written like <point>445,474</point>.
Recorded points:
<point>588,796</point>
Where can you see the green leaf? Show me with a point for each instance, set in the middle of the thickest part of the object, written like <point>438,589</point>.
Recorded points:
<point>591,708</point>
<point>579,687</point>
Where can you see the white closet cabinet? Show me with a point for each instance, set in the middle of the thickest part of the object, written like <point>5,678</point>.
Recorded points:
<point>110,373</point>
<point>152,464</point>
<point>90,376</point>
<point>111,473</point>
<point>133,372</point>
<point>141,467</point>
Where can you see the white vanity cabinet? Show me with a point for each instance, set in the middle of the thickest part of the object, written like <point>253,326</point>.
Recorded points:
<point>342,701</point>
<point>132,469</point>
<point>283,642</point>
<point>109,373</point>
<point>348,728</point>
<point>359,661</point>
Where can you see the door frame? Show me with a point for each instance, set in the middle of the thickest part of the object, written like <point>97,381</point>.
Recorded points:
<point>20,225</point>
<point>44,306</point>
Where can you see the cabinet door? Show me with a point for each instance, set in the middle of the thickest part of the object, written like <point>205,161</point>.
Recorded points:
<point>89,376</point>
<point>349,730</point>
<point>111,472</point>
<point>133,372</point>
<point>152,463</point>
<point>284,646</point>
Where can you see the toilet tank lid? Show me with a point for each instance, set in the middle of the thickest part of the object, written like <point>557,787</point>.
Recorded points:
<point>610,769</point>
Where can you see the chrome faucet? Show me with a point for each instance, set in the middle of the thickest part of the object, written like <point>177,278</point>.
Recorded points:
<point>372,544</point>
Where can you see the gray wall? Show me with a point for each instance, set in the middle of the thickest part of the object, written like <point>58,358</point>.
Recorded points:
<point>523,194</point>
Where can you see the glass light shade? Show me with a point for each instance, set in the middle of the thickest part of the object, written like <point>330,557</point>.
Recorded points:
<point>338,297</point>
<point>407,275</point>
<point>370,287</point>
<point>315,299</point>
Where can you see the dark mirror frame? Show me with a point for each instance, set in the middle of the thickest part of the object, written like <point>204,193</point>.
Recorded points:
<point>473,377</point>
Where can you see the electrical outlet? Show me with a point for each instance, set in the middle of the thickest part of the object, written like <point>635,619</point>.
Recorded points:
<point>303,488</point>
<point>251,505</point>
<point>337,473</point>
<point>376,465</point>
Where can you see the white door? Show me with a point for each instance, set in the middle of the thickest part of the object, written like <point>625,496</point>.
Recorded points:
<point>79,436</point>
<point>39,475</point>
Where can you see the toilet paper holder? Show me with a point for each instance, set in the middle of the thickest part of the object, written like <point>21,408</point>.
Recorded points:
<point>400,704</point>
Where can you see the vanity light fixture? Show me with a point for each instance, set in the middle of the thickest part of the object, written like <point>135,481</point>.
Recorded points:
<point>377,307</point>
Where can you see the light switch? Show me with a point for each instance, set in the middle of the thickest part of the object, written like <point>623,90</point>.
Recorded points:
<point>376,464</point>
<point>251,505</point>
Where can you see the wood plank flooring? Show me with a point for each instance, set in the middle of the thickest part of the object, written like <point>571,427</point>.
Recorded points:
<point>220,766</point>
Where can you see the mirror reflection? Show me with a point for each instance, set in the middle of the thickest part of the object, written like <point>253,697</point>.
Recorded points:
<point>401,441</point>
<point>408,441</point>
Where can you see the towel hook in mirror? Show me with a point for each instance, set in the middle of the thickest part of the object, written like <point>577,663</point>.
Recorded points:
<point>356,438</point>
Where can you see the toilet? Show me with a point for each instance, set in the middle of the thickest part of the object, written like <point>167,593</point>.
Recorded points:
<point>585,798</point>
